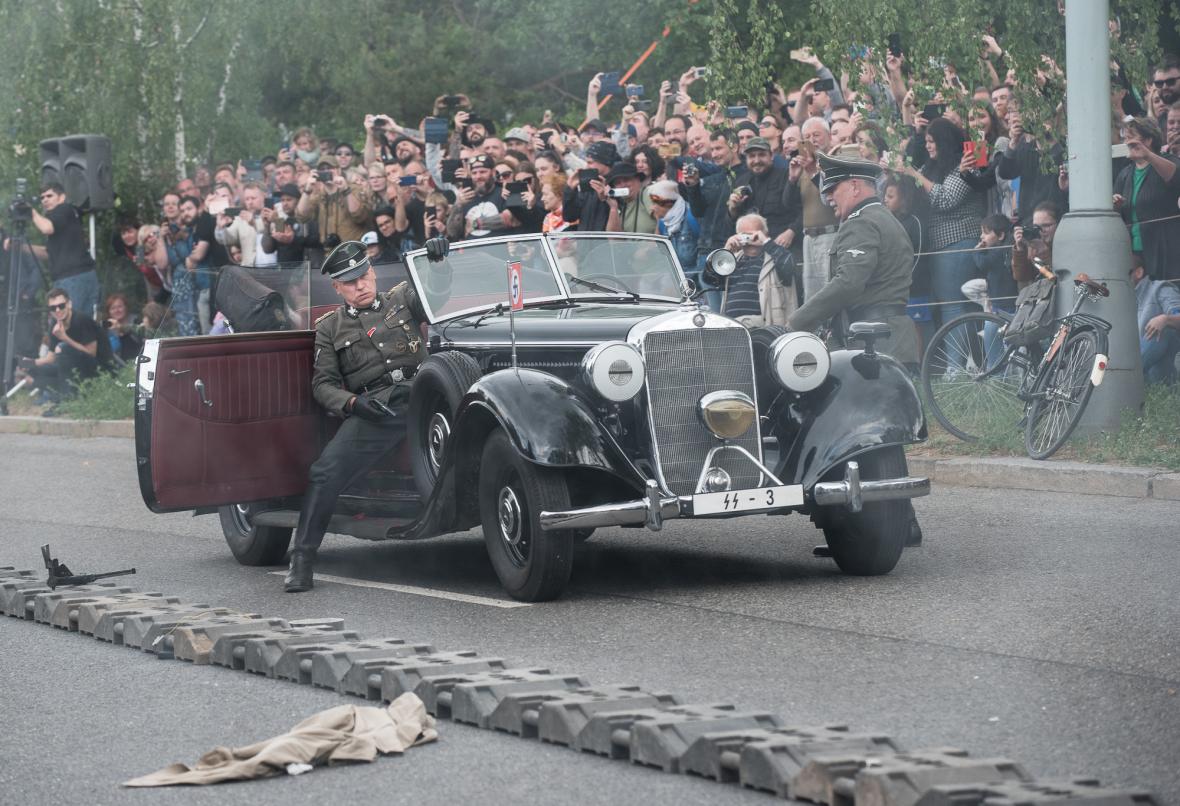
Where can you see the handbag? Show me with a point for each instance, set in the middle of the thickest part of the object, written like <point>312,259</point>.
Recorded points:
<point>1033,319</point>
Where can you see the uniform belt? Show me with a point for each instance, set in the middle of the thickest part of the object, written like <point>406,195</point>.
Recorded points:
<point>813,231</point>
<point>875,312</point>
<point>388,379</point>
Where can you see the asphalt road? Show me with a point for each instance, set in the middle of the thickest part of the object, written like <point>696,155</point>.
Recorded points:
<point>1041,627</point>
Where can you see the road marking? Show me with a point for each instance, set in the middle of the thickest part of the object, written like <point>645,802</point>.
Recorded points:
<point>389,586</point>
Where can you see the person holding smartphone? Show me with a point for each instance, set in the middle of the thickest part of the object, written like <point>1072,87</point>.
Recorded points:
<point>338,207</point>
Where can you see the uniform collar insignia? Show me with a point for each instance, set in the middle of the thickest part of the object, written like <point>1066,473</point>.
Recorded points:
<point>354,312</point>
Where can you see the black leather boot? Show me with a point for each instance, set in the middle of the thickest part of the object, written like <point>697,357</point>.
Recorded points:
<point>299,574</point>
<point>313,522</point>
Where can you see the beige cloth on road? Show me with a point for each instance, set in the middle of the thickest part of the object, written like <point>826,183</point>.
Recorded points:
<point>344,733</point>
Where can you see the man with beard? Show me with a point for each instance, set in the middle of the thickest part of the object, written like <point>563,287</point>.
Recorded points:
<point>477,209</point>
<point>762,188</point>
<point>1166,81</point>
<point>286,237</point>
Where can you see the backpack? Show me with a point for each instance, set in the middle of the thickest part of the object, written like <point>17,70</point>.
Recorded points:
<point>1033,320</point>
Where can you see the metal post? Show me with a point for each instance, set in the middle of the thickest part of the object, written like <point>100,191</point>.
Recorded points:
<point>1092,237</point>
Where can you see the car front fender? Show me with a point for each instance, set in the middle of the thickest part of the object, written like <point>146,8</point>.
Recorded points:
<point>866,402</point>
<point>546,420</point>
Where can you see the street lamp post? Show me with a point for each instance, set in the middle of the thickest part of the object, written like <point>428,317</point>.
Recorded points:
<point>1092,237</point>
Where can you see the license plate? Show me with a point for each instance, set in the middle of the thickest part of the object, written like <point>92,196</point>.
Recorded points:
<point>748,500</point>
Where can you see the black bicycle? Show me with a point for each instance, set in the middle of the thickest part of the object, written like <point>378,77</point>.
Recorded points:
<point>976,382</point>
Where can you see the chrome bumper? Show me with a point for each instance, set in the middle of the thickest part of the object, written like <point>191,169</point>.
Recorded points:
<point>655,508</point>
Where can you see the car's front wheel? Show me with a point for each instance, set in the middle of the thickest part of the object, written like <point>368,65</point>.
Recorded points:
<point>438,388</point>
<point>250,543</point>
<point>533,565</point>
<point>869,542</point>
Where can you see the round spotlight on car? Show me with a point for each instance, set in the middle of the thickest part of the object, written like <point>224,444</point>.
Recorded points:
<point>800,361</point>
<point>614,370</point>
<point>718,265</point>
<point>727,414</point>
<point>716,480</point>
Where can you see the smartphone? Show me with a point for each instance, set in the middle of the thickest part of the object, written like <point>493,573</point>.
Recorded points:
<point>515,189</point>
<point>737,111</point>
<point>434,130</point>
<point>895,44</point>
<point>324,176</point>
<point>981,155</point>
<point>407,181</point>
<point>431,211</point>
<point>1119,150</point>
<point>701,72</point>
<point>451,101</point>
<point>610,84</point>
<point>448,169</point>
<point>585,177</point>
<point>634,90</point>
<point>233,212</point>
<point>824,85</point>
<point>669,150</point>
<point>641,106</point>
<point>932,111</point>
<point>546,136</point>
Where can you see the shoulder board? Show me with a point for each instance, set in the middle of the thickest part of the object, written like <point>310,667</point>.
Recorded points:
<point>397,288</point>
<point>322,317</point>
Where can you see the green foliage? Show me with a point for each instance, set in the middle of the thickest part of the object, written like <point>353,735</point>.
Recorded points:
<point>103,397</point>
<point>743,49</point>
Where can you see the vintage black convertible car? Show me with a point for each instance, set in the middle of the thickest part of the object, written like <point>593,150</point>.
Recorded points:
<point>612,399</point>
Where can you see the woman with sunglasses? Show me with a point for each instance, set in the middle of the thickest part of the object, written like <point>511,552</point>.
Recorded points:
<point>675,221</point>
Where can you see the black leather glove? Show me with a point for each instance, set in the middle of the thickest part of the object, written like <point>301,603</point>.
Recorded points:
<point>370,409</point>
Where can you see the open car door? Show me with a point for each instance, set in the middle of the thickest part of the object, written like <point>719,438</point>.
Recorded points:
<point>225,419</point>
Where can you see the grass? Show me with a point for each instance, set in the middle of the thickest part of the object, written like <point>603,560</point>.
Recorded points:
<point>1148,440</point>
<point>103,397</point>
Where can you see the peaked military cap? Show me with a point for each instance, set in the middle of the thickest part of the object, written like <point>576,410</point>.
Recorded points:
<point>835,170</point>
<point>347,261</point>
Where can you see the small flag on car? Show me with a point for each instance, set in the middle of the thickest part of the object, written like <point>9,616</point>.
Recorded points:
<point>515,286</point>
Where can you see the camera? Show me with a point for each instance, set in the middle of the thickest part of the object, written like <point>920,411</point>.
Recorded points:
<point>744,238</point>
<point>745,191</point>
<point>20,211</point>
<point>1032,232</point>
<point>619,193</point>
<point>324,176</point>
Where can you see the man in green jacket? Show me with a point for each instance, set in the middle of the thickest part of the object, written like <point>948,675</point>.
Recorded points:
<point>872,260</point>
<point>366,352</point>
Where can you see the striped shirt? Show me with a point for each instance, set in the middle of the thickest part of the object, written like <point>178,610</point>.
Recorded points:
<point>741,289</point>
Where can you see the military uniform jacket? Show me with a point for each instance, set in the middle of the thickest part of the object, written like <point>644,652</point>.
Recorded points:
<point>872,260</point>
<point>355,348</point>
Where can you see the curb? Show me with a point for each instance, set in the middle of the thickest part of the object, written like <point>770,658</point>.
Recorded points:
<point>51,426</point>
<point>1006,473</point>
<point>1020,473</point>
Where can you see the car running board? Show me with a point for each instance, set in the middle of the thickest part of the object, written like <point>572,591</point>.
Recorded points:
<point>364,528</point>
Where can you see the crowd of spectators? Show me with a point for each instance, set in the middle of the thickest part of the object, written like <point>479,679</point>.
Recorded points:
<point>979,194</point>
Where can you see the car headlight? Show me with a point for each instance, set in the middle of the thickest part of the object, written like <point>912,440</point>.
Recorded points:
<point>800,361</point>
<point>614,370</point>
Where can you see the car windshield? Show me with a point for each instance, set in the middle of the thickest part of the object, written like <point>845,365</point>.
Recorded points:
<point>474,276</point>
<point>589,263</point>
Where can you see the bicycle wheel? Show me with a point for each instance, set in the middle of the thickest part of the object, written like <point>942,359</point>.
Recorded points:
<point>1060,396</point>
<point>964,396</point>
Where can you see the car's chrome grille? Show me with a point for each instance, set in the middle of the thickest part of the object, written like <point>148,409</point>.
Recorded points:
<point>682,366</point>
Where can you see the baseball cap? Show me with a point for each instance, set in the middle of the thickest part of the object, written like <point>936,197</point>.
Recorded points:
<point>370,239</point>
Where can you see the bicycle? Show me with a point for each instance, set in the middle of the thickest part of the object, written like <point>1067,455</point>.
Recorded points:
<point>972,377</point>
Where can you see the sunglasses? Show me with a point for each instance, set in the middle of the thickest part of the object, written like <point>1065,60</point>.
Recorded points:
<point>503,175</point>
<point>1165,82</point>
<point>61,306</point>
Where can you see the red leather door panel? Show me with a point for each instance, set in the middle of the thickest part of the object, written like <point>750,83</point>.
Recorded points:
<point>258,437</point>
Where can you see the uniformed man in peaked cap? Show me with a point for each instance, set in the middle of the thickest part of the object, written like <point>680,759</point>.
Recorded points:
<point>871,261</point>
<point>366,352</point>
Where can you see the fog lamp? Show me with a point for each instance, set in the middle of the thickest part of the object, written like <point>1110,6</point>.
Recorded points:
<point>716,480</point>
<point>727,414</point>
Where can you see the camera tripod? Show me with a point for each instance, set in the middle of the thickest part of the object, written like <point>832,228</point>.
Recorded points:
<point>20,260</point>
